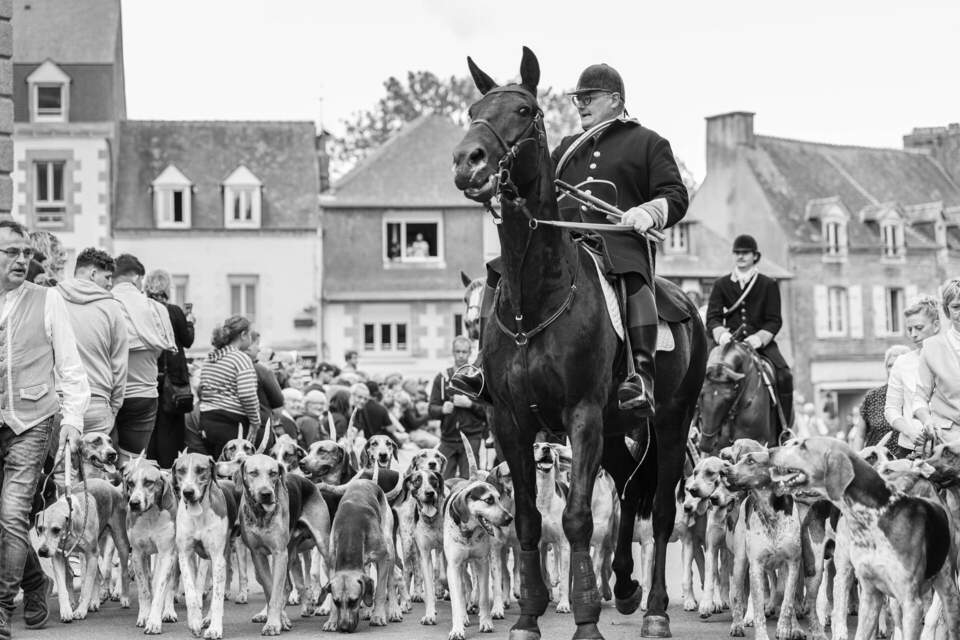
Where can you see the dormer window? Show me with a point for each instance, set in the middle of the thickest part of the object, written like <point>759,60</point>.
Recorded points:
<point>172,199</point>
<point>891,235</point>
<point>835,237</point>
<point>242,199</point>
<point>678,239</point>
<point>49,93</point>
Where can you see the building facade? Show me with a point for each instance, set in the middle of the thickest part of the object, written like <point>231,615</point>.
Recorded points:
<point>68,95</point>
<point>396,236</point>
<point>862,230</point>
<point>230,209</point>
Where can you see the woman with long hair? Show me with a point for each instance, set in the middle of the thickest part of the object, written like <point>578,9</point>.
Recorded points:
<point>228,387</point>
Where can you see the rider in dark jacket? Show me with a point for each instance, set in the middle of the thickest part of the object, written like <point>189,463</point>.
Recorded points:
<point>755,313</point>
<point>632,168</point>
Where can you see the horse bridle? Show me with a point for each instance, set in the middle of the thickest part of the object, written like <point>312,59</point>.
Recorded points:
<point>740,388</point>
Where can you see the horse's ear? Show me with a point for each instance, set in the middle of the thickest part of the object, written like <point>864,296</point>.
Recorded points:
<point>483,81</point>
<point>465,279</point>
<point>529,71</point>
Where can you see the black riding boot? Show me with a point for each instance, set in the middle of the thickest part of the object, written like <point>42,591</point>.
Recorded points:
<point>785,394</point>
<point>468,380</point>
<point>636,392</point>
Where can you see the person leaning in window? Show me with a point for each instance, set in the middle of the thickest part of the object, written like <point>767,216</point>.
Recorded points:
<point>228,387</point>
<point>938,375</point>
<point>39,357</point>
<point>922,320</point>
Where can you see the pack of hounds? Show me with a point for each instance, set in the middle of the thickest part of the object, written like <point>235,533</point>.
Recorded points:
<point>809,529</point>
<point>343,536</point>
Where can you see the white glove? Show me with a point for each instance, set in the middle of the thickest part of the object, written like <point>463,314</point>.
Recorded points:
<point>754,341</point>
<point>639,218</point>
<point>725,337</point>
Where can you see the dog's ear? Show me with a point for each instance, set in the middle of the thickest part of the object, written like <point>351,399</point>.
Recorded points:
<point>175,481</point>
<point>364,458</point>
<point>212,468</point>
<point>301,453</point>
<point>368,591</point>
<point>441,485</point>
<point>702,507</point>
<point>165,496</point>
<point>324,592</point>
<point>242,472</point>
<point>838,474</point>
<point>458,508</point>
<point>341,453</point>
<point>394,447</point>
<point>443,461</point>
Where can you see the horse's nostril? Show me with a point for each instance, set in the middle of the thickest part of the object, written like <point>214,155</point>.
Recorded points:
<point>476,156</point>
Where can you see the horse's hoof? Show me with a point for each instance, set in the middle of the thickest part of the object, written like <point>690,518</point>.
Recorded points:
<point>524,634</point>
<point>631,603</point>
<point>587,631</point>
<point>655,626</point>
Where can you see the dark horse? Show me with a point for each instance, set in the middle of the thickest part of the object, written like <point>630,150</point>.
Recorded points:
<point>735,402</point>
<point>553,359</point>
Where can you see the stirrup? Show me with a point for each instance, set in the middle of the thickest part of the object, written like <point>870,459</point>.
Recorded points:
<point>468,372</point>
<point>639,400</point>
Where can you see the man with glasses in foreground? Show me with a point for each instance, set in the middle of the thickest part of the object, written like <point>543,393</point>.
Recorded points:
<point>38,352</point>
<point>632,168</point>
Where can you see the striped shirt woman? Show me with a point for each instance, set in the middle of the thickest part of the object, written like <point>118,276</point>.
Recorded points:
<point>228,387</point>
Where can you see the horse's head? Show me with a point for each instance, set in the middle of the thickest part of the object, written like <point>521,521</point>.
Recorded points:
<point>726,370</point>
<point>506,131</point>
<point>473,301</point>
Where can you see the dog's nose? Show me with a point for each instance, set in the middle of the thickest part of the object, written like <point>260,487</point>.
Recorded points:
<point>266,495</point>
<point>43,551</point>
<point>134,504</point>
<point>507,520</point>
<point>111,456</point>
<point>432,466</point>
<point>189,494</point>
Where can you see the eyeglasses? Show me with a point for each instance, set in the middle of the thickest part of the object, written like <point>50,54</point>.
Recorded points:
<point>584,99</point>
<point>14,252</point>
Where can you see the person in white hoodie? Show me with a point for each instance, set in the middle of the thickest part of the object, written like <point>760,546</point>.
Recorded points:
<point>101,331</point>
<point>149,333</point>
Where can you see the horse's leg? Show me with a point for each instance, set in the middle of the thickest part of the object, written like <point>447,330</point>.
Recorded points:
<point>518,450</point>
<point>670,452</point>
<point>586,440</point>
<point>618,462</point>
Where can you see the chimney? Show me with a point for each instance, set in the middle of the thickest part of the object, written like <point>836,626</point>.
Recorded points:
<point>323,159</point>
<point>726,132</point>
<point>942,143</point>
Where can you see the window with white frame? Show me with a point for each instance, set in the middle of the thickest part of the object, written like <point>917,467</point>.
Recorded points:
<point>893,303</point>
<point>172,199</point>
<point>385,337</point>
<point>413,238</point>
<point>838,310</point>
<point>180,289</point>
<point>243,296</point>
<point>50,207</point>
<point>891,234</point>
<point>678,239</point>
<point>49,93</point>
<point>242,199</point>
<point>835,237</point>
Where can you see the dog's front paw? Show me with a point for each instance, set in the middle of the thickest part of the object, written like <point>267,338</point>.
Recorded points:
<point>323,610</point>
<point>196,628</point>
<point>152,627</point>
<point>270,629</point>
<point>496,611</point>
<point>213,632</point>
<point>169,615</point>
<point>285,623</point>
<point>416,597</point>
<point>736,630</point>
<point>66,617</point>
<point>294,598</point>
<point>563,606</point>
<point>260,617</point>
<point>124,602</point>
<point>429,620</point>
<point>307,610</point>
<point>241,597</point>
<point>689,603</point>
<point>456,634</point>
<point>790,632</point>
<point>329,625</point>
<point>395,615</point>
<point>80,614</point>
<point>141,620</point>
<point>705,610</point>
<point>378,620</point>
<point>94,605</point>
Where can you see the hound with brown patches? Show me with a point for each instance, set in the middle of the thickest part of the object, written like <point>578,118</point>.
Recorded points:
<point>772,528</point>
<point>97,457</point>
<point>82,521</point>
<point>280,514</point>
<point>426,490</point>
<point>423,460</point>
<point>151,529</point>
<point>471,513</point>
<point>206,514</point>
<point>551,503</point>
<point>898,545</point>
<point>287,452</point>
<point>361,535</point>
<point>379,450</point>
<point>705,490</point>
<point>228,468</point>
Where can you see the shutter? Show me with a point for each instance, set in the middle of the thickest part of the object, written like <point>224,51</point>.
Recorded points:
<point>855,311</point>
<point>879,311</point>
<point>820,310</point>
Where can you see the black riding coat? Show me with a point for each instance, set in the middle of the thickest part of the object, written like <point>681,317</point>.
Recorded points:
<point>759,311</point>
<point>641,165</point>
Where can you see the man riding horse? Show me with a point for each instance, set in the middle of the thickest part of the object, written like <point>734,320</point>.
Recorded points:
<point>747,303</point>
<point>632,168</point>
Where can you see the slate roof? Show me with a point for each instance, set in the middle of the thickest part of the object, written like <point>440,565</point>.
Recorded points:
<point>710,257</point>
<point>792,173</point>
<point>280,154</point>
<point>66,31</point>
<point>412,169</point>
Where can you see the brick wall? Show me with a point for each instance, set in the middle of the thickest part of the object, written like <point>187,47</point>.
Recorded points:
<point>6,107</point>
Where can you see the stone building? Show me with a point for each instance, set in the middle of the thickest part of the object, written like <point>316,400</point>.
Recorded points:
<point>863,230</point>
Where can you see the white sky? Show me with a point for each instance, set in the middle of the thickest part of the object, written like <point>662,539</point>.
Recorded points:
<point>844,71</point>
